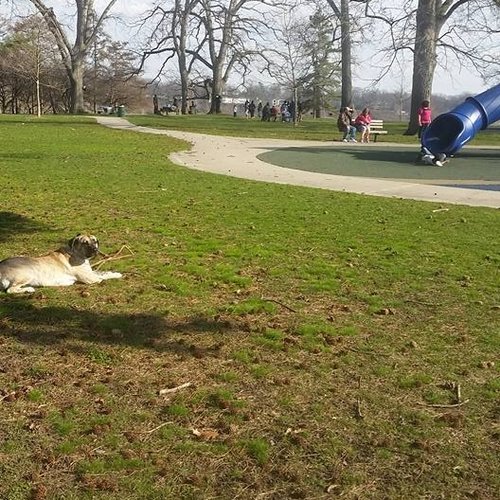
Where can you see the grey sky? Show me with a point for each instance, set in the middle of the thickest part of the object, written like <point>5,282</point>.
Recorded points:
<point>451,81</point>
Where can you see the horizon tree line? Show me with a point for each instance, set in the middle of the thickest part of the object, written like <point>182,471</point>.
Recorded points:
<point>211,40</point>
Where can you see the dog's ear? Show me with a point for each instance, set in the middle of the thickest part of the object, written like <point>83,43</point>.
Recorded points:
<point>72,241</point>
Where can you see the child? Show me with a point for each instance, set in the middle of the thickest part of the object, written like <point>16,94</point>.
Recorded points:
<point>426,156</point>
<point>362,124</point>
<point>424,118</point>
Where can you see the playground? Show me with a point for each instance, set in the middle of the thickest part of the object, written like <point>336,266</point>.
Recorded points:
<point>477,168</point>
<point>377,169</point>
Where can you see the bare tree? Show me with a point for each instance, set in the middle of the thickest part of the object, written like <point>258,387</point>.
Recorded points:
<point>74,54</point>
<point>232,29</point>
<point>29,56</point>
<point>173,32</point>
<point>286,62</point>
<point>436,31</point>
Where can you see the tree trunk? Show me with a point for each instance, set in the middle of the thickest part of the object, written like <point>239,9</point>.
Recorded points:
<point>217,89</point>
<point>424,59</point>
<point>76,87</point>
<point>345,28</point>
<point>184,74</point>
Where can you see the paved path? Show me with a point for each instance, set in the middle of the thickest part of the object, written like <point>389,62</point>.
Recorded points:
<point>237,157</point>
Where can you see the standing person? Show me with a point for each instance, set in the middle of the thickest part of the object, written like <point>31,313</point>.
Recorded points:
<point>175,105</point>
<point>247,108</point>
<point>266,112</point>
<point>251,109</point>
<point>259,109</point>
<point>424,118</point>
<point>344,124</point>
<point>362,124</point>
<point>235,110</point>
<point>274,112</point>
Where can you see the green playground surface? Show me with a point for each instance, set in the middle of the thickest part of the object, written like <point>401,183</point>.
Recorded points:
<point>362,160</point>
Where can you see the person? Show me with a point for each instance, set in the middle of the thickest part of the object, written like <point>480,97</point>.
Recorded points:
<point>266,112</point>
<point>275,112</point>
<point>218,102</point>
<point>259,109</point>
<point>251,108</point>
<point>344,124</point>
<point>291,108</point>
<point>424,118</point>
<point>362,124</point>
<point>425,155</point>
<point>156,109</point>
<point>235,110</point>
<point>247,108</point>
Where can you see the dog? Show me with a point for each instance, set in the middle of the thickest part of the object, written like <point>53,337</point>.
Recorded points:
<point>63,267</point>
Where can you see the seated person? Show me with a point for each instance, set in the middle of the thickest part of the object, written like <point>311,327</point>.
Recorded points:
<point>362,124</point>
<point>344,124</point>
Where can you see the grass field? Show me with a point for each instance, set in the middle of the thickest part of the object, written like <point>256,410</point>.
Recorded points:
<point>267,341</point>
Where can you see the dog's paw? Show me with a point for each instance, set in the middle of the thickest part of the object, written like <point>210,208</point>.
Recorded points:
<point>24,289</point>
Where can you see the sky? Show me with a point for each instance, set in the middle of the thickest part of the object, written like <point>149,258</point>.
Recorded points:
<point>447,82</point>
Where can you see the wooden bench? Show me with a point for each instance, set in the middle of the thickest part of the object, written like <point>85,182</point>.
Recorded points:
<point>376,128</point>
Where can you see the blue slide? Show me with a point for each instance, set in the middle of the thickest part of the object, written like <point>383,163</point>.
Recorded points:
<point>449,132</point>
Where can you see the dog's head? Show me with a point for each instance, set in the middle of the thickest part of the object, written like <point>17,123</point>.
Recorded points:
<point>84,245</point>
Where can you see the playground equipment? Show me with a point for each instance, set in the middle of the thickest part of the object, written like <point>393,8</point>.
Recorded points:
<point>449,132</point>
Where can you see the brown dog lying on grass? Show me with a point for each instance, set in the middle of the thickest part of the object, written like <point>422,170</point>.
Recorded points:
<point>63,267</point>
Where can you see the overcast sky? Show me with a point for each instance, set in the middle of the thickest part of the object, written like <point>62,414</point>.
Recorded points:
<point>450,82</point>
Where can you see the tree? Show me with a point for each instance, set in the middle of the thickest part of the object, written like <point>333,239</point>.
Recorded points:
<point>231,30</point>
<point>74,54</point>
<point>28,55</point>
<point>342,12</point>
<point>320,40</point>
<point>110,75</point>
<point>430,29</point>
<point>173,34</point>
<point>286,61</point>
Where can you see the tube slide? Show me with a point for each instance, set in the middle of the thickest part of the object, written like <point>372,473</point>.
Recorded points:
<point>449,132</point>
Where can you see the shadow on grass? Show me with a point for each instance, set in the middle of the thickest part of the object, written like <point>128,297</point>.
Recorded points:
<point>12,223</point>
<point>56,326</point>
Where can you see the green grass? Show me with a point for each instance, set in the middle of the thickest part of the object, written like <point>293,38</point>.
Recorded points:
<point>317,330</point>
<point>323,129</point>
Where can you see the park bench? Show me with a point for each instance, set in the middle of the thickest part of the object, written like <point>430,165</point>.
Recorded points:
<point>377,128</point>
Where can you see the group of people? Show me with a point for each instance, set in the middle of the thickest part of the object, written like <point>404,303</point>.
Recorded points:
<point>350,125</point>
<point>268,112</point>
